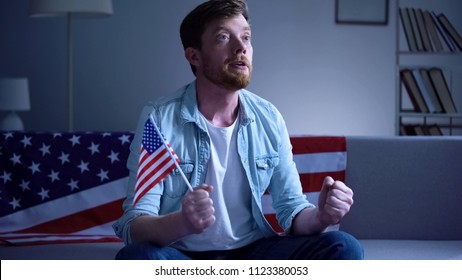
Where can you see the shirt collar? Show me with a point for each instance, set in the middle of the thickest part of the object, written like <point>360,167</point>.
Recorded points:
<point>190,110</point>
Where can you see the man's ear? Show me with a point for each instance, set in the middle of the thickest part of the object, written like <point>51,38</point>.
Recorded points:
<point>193,56</point>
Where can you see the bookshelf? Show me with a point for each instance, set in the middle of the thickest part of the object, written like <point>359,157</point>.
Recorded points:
<point>428,104</point>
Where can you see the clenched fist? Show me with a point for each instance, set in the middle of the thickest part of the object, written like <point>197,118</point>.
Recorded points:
<point>334,201</point>
<point>197,209</point>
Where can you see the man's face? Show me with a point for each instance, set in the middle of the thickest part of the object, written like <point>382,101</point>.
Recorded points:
<point>226,53</point>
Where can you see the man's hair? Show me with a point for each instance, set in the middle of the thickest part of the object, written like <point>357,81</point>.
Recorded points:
<point>195,22</point>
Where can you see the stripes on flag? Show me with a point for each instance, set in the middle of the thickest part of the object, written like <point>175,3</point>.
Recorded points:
<point>315,157</point>
<point>155,162</point>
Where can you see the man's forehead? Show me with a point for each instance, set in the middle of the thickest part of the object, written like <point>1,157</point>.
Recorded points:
<point>229,22</point>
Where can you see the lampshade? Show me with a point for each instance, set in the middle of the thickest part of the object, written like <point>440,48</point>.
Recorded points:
<point>50,8</point>
<point>14,94</point>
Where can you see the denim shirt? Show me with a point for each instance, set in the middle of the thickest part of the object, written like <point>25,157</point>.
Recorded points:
<point>263,145</point>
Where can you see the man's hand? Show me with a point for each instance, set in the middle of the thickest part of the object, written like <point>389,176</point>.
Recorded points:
<point>335,200</point>
<point>197,209</point>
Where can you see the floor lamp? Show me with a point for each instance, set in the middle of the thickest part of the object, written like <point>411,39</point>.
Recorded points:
<point>70,9</point>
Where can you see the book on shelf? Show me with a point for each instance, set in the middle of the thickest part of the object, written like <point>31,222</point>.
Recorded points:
<point>407,130</point>
<point>428,89</point>
<point>432,32</point>
<point>420,130</point>
<point>415,29</point>
<point>407,27</point>
<point>427,45</point>
<point>425,94</point>
<point>434,130</point>
<point>442,32</point>
<point>451,31</point>
<point>413,130</point>
<point>442,89</point>
<point>413,90</point>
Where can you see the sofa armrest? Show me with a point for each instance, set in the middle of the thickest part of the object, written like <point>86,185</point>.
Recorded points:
<point>405,187</point>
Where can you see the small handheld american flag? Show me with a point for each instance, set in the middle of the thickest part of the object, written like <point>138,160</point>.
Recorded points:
<point>157,160</point>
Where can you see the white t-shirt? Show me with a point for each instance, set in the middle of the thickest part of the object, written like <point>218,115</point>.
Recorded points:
<point>234,226</point>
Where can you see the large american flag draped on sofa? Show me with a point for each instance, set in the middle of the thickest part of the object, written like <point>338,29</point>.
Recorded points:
<point>69,187</point>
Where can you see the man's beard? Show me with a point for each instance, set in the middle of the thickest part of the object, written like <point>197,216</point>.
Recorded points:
<point>228,79</point>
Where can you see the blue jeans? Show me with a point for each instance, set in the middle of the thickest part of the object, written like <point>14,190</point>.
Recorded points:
<point>335,245</point>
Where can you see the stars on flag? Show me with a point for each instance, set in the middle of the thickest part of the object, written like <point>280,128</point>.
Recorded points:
<point>45,149</point>
<point>64,158</point>
<point>94,148</point>
<point>15,203</point>
<point>34,167</point>
<point>26,141</point>
<point>16,159</point>
<point>24,185</point>
<point>103,175</point>
<point>114,156</point>
<point>83,166</point>
<point>44,193</point>
<point>54,176</point>
<point>73,184</point>
<point>124,139</point>
<point>6,177</point>
<point>8,135</point>
<point>75,140</point>
<point>157,159</point>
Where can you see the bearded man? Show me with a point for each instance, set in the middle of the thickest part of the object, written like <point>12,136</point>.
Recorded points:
<point>233,146</point>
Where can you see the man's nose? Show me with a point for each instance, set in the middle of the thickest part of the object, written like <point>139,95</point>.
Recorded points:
<point>240,46</point>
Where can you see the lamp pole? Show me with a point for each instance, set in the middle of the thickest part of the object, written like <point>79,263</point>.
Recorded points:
<point>70,74</point>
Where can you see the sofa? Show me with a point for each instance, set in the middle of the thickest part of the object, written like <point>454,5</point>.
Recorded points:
<point>408,193</point>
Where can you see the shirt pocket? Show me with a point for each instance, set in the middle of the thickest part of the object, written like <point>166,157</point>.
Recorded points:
<point>265,169</point>
<point>175,185</point>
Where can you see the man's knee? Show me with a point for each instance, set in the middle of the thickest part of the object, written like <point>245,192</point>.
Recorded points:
<point>346,246</point>
<point>147,251</point>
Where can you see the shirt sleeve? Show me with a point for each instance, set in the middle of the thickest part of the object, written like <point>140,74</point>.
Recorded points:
<point>150,202</point>
<point>285,187</point>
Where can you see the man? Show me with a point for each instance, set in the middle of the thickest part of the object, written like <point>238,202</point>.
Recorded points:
<point>233,146</point>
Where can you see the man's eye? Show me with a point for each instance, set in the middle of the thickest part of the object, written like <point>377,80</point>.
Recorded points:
<point>222,37</point>
<point>247,38</point>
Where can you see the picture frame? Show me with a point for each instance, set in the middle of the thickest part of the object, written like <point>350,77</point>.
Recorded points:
<point>370,12</point>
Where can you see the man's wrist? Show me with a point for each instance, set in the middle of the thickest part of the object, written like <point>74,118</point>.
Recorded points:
<point>321,217</point>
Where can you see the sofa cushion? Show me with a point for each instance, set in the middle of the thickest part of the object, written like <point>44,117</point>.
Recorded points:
<point>74,251</point>
<point>412,249</point>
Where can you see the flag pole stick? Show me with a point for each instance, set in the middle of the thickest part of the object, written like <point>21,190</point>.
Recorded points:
<point>170,153</point>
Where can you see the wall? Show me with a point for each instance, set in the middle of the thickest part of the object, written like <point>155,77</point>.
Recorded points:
<point>325,78</point>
